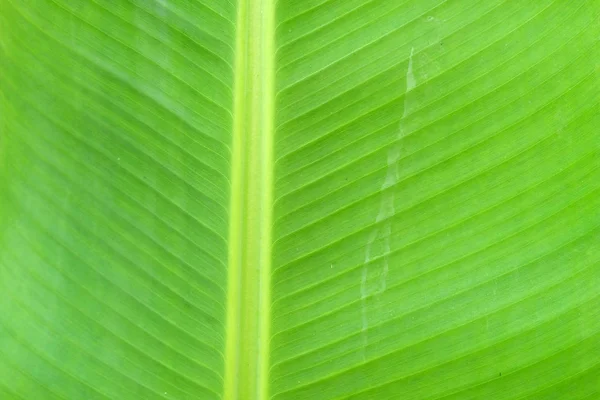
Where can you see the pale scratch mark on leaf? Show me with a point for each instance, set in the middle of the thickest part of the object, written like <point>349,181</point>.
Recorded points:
<point>387,208</point>
<point>386,212</point>
<point>411,82</point>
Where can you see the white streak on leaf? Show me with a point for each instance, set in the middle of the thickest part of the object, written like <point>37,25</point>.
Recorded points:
<point>386,212</point>
<point>411,82</point>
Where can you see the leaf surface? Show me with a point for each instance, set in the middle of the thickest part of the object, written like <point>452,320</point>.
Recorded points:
<point>316,199</point>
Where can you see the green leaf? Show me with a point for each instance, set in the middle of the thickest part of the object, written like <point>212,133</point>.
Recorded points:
<point>299,199</point>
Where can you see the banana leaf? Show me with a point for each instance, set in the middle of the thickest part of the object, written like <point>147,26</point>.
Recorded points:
<point>299,199</point>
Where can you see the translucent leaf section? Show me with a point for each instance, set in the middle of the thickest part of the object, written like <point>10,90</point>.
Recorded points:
<point>436,221</point>
<point>114,161</point>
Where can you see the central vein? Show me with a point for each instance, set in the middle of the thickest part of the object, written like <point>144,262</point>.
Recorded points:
<point>249,287</point>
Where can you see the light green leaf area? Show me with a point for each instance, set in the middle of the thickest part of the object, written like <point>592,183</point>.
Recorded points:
<point>299,199</point>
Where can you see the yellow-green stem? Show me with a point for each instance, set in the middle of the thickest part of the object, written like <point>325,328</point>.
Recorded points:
<point>248,319</point>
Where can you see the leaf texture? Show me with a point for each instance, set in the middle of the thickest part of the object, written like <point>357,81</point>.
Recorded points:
<point>435,214</point>
<point>116,122</point>
<point>436,200</point>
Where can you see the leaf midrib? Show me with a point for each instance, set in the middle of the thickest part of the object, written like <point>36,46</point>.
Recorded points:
<point>249,257</point>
